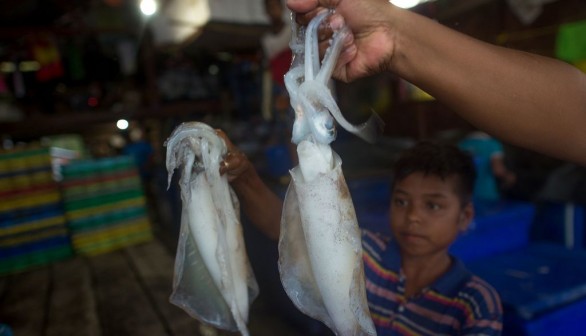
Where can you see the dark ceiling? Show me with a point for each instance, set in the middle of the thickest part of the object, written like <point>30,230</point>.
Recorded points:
<point>70,19</point>
<point>32,12</point>
<point>26,15</point>
<point>75,21</point>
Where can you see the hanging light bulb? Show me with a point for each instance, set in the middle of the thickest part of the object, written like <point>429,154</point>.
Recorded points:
<point>148,7</point>
<point>122,124</point>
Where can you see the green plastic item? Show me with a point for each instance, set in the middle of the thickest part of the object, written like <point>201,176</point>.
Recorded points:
<point>23,153</point>
<point>103,200</point>
<point>571,42</point>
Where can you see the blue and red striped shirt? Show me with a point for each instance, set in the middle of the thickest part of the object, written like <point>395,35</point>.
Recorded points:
<point>458,303</point>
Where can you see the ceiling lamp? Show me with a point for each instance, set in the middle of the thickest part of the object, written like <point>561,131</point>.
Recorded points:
<point>148,7</point>
<point>122,124</point>
<point>180,20</point>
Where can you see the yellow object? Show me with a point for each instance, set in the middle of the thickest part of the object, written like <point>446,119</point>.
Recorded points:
<point>108,239</point>
<point>58,231</point>
<point>141,224</point>
<point>33,225</point>
<point>77,214</point>
<point>581,65</point>
<point>30,201</point>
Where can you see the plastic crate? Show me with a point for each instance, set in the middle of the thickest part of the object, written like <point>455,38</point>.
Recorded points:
<point>497,227</point>
<point>35,246</point>
<point>542,287</point>
<point>35,258</point>
<point>108,218</point>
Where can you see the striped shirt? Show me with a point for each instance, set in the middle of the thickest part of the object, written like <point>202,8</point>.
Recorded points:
<point>458,303</point>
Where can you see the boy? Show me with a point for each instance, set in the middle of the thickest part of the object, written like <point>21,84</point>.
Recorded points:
<point>414,287</point>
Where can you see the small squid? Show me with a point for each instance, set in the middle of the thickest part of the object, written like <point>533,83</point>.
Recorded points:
<point>213,280</point>
<point>320,252</point>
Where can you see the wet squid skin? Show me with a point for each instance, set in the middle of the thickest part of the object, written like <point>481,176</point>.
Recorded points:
<point>320,245</point>
<point>320,253</point>
<point>213,281</point>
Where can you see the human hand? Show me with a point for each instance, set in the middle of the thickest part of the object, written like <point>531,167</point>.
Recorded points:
<point>235,163</point>
<point>370,47</point>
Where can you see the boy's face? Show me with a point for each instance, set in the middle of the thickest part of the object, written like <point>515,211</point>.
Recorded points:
<point>427,214</point>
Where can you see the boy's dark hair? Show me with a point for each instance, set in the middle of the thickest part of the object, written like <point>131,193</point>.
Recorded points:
<point>438,159</point>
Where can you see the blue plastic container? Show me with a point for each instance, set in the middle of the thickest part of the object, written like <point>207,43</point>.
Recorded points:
<point>542,287</point>
<point>278,160</point>
<point>498,227</point>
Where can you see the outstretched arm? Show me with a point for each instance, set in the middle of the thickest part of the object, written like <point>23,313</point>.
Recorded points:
<point>260,204</point>
<point>521,98</point>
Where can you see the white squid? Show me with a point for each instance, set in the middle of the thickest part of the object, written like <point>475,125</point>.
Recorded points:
<point>320,252</point>
<point>213,280</point>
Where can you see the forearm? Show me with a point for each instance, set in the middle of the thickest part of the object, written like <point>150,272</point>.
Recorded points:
<point>524,99</point>
<point>260,204</point>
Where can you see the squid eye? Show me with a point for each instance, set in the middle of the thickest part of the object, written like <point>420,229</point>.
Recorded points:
<point>322,126</point>
<point>326,123</point>
<point>329,124</point>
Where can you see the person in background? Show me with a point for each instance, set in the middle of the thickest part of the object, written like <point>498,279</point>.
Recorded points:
<point>489,156</point>
<point>141,150</point>
<point>278,56</point>
<point>277,59</point>
<point>520,98</point>
<point>275,42</point>
<point>414,286</point>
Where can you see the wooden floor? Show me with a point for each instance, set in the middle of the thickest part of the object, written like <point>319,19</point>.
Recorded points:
<point>120,293</point>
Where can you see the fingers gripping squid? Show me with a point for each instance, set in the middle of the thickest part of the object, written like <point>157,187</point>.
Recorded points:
<point>213,281</point>
<point>307,83</point>
<point>320,253</point>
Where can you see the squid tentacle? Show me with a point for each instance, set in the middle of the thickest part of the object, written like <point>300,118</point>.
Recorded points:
<point>312,64</point>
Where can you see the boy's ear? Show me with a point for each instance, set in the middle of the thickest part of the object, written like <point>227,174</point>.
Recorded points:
<point>466,216</point>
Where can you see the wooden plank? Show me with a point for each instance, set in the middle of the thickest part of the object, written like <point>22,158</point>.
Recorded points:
<point>123,307</point>
<point>24,304</point>
<point>154,266</point>
<point>72,307</point>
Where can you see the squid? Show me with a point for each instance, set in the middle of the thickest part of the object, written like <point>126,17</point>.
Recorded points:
<point>213,281</point>
<point>320,251</point>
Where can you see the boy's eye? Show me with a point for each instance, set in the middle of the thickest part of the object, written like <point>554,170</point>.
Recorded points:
<point>400,202</point>
<point>433,206</point>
